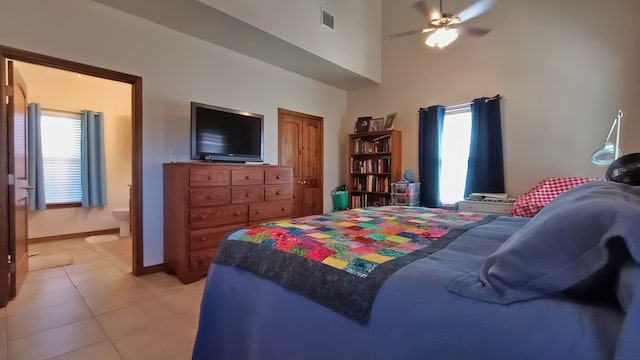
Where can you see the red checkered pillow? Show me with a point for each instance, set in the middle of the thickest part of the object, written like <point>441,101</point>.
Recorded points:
<point>529,203</point>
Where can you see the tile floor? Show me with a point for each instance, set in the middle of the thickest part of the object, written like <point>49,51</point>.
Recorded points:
<point>95,309</point>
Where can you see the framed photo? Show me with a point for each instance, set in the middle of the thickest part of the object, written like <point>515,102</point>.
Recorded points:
<point>388,124</point>
<point>363,123</point>
<point>376,124</point>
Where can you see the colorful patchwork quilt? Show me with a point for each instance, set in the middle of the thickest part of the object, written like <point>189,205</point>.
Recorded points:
<point>341,259</point>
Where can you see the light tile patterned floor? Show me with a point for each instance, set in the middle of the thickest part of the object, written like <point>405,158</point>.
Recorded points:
<point>95,309</point>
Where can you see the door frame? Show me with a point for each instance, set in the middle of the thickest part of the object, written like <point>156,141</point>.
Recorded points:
<point>280,134</point>
<point>8,53</point>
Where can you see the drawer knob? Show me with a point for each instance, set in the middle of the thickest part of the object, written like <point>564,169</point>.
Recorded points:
<point>284,209</point>
<point>202,217</point>
<point>278,192</point>
<point>210,177</point>
<point>247,177</point>
<point>258,211</point>
<point>204,238</point>
<point>237,213</point>
<point>248,194</point>
<point>278,176</point>
<point>209,196</point>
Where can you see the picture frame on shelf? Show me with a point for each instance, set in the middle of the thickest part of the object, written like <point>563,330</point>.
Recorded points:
<point>362,124</point>
<point>376,124</point>
<point>388,124</point>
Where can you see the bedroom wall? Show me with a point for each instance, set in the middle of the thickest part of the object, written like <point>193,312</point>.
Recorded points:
<point>354,43</point>
<point>66,91</point>
<point>564,69</point>
<point>176,69</point>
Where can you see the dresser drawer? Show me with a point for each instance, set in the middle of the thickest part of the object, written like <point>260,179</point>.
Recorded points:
<point>200,260</point>
<point>278,176</point>
<point>210,238</point>
<point>270,210</point>
<point>275,192</point>
<point>218,216</point>
<point>247,177</point>
<point>246,194</point>
<point>209,196</point>
<point>209,177</point>
<point>204,239</point>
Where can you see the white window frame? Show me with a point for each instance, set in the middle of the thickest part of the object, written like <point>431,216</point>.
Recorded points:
<point>61,153</point>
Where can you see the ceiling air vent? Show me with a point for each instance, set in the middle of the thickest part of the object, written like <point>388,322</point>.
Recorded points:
<point>327,19</point>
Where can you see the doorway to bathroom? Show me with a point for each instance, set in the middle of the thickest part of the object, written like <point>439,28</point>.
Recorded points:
<point>56,85</point>
<point>80,137</point>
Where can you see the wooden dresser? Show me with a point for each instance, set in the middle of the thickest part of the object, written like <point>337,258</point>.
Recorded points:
<point>204,202</point>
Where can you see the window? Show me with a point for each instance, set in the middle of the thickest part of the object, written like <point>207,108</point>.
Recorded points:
<point>61,153</point>
<point>454,154</point>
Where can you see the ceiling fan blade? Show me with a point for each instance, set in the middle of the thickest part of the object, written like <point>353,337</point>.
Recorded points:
<point>475,9</point>
<point>421,7</point>
<point>474,31</point>
<point>406,33</point>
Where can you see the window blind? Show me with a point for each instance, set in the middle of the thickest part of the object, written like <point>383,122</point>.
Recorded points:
<point>61,152</point>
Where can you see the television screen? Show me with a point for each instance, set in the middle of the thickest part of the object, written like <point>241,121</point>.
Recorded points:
<point>220,134</point>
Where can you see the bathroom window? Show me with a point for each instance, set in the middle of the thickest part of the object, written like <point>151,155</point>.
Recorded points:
<point>61,153</point>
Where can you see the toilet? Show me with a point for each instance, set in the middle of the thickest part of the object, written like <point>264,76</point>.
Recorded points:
<point>122,215</point>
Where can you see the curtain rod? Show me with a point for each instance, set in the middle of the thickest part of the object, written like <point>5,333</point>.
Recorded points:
<point>469,103</point>
<point>62,111</point>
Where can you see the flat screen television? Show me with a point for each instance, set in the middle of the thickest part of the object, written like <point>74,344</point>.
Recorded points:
<point>226,135</point>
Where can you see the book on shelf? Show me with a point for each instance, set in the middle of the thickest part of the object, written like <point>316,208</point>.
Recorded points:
<point>371,183</point>
<point>381,165</point>
<point>377,145</point>
<point>365,200</point>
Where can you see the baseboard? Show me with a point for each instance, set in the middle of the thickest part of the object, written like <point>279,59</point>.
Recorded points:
<point>147,270</point>
<point>73,236</point>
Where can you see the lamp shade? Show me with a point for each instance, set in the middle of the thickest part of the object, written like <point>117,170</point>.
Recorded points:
<point>605,155</point>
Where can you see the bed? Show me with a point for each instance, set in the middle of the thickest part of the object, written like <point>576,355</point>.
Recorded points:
<point>565,284</point>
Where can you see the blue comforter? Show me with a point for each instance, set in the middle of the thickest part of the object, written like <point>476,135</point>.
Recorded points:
<point>414,316</point>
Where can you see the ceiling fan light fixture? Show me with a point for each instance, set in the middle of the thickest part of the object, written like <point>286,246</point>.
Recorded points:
<point>442,37</point>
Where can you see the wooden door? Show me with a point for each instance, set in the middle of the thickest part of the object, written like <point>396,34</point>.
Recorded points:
<point>17,152</point>
<point>300,145</point>
<point>311,166</point>
<point>290,153</point>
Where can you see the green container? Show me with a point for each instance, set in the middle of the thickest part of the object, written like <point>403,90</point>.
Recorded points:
<point>340,200</point>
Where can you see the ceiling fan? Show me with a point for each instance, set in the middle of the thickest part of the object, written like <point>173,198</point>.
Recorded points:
<point>444,28</point>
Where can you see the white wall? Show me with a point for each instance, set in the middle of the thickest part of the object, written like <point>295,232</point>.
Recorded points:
<point>564,69</point>
<point>176,69</point>
<point>353,44</point>
<point>66,91</point>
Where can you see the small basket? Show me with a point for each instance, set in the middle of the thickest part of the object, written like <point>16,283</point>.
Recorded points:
<point>340,200</point>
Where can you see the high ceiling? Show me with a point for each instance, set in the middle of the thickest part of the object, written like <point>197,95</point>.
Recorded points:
<point>199,20</point>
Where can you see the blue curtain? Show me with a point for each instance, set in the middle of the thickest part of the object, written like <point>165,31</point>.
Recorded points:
<point>485,172</point>
<point>35,173</point>
<point>94,184</point>
<point>431,121</point>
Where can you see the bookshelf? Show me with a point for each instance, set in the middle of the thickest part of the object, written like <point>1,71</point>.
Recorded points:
<point>374,163</point>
